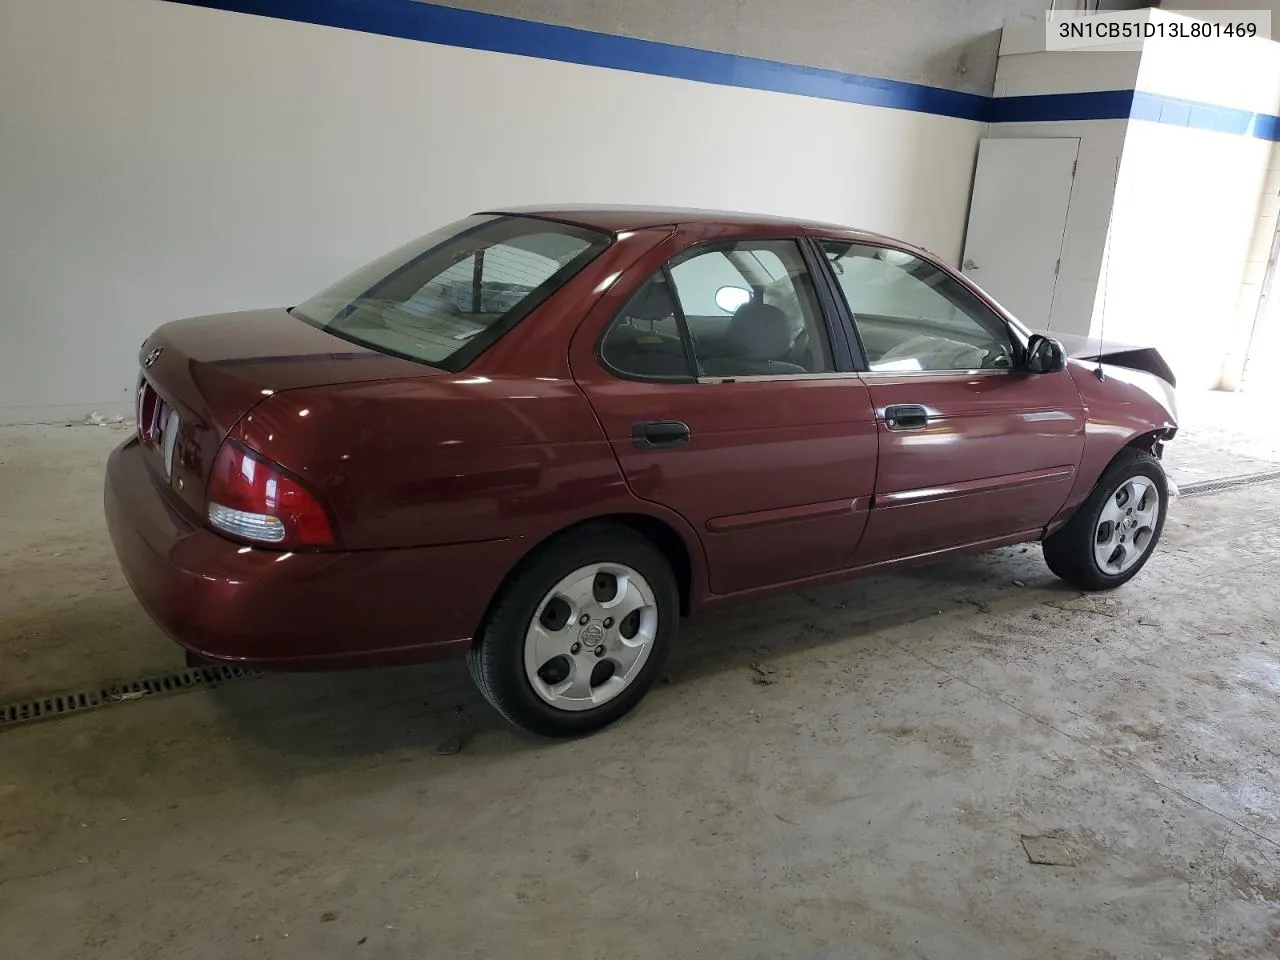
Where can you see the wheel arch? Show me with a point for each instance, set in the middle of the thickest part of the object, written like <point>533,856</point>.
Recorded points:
<point>1070,550</point>
<point>687,563</point>
<point>1150,441</point>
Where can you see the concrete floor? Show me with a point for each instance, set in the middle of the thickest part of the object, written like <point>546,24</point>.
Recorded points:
<point>868,804</point>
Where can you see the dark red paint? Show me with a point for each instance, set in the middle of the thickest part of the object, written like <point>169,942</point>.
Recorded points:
<point>439,484</point>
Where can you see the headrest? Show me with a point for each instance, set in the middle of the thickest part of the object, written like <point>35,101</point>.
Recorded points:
<point>760,331</point>
<point>653,302</point>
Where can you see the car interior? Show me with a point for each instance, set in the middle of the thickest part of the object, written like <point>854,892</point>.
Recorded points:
<point>910,316</point>
<point>774,331</point>
<point>435,304</point>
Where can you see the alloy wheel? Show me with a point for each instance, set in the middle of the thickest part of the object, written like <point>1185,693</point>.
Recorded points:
<point>1127,524</point>
<point>590,636</point>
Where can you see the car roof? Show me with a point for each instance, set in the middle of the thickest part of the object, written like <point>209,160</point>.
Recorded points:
<point>615,219</point>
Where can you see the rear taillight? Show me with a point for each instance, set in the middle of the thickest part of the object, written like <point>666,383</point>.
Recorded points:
<point>254,499</point>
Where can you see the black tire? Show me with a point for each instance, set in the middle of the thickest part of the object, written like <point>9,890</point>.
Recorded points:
<point>1070,552</point>
<point>496,659</point>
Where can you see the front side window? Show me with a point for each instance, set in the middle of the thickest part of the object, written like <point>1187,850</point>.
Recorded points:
<point>912,316</point>
<point>445,297</point>
<point>746,309</point>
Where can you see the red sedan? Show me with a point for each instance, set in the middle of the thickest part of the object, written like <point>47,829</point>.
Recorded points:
<point>538,438</point>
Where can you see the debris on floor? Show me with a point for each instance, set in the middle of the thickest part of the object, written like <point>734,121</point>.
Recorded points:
<point>1050,849</point>
<point>1086,604</point>
<point>450,745</point>
<point>763,675</point>
<point>96,419</point>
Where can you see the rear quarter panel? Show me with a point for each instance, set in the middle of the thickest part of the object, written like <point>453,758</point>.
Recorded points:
<point>508,448</point>
<point>441,460</point>
<point>453,460</point>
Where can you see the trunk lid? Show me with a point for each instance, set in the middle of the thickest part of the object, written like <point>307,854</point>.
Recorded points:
<point>199,376</point>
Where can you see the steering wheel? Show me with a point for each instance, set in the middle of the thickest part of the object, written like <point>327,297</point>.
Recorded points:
<point>997,358</point>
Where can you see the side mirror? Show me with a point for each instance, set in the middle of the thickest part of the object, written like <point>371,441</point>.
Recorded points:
<point>730,299</point>
<point>1045,355</point>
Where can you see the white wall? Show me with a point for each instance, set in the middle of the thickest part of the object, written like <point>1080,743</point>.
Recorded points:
<point>1169,226</point>
<point>1244,195</point>
<point>160,160</point>
<point>1254,361</point>
<point>1184,213</point>
<point>1190,271</point>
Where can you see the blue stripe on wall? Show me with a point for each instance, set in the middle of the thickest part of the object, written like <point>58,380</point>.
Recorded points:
<point>1099,105</point>
<point>1204,116</point>
<point>414,20</point>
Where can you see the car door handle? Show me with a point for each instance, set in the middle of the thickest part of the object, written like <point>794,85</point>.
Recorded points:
<point>655,434</point>
<point>906,416</point>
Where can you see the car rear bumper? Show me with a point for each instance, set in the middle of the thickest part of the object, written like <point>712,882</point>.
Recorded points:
<point>301,611</point>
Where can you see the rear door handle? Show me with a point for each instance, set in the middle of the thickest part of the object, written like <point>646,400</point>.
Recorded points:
<point>906,416</point>
<point>656,434</point>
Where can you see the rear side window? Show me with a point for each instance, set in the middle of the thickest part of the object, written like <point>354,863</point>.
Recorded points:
<point>444,298</point>
<point>645,340</point>
<point>742,309</point>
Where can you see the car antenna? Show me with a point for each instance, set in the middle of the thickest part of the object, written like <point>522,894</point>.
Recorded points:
<point>1106,274</point>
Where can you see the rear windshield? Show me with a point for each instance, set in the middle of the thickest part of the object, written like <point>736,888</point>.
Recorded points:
<point>444,298</point>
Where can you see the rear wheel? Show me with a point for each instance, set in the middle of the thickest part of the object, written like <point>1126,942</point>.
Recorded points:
<point>1114,532</point>
<point>579,634</point>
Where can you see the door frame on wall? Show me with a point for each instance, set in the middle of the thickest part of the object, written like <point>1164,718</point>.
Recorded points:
<point>1030,181</point>
<point>1265,318</point>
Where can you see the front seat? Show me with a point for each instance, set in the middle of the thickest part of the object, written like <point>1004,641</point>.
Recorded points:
<point>758,335</point>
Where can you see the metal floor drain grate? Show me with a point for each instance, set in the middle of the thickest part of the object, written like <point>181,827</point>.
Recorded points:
<point>63,704</point>
<point>1227,483</point>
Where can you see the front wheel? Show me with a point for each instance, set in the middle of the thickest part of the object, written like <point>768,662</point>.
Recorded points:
<point>579,634</point>
<point>1112,535</point>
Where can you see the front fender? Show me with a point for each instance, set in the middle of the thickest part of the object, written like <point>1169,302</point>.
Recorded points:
<point>1125,407</point>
